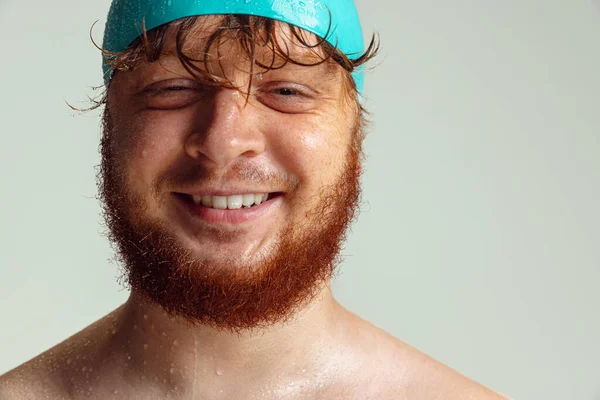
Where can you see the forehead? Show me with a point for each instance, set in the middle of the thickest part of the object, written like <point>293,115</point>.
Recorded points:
<point>267,44</point>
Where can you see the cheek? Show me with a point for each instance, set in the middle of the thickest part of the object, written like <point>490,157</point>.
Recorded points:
<point>148,146</point>
<point>311,148</point>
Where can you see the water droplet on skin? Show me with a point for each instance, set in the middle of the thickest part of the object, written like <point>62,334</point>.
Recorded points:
<point>219,372</point>
<point>68,361</point>
<point>134,326</point>
<point>129,357</point>
<point>164,381</point>
<point>146,346</point>
<point>145,362</point>
<point>145,316</point>
<point>175,342</point>
<point>83,369</point>
<point>164,333</point>
<point>172,371</point>
<point>115,392</point>
<point>114,331</point>
<point>303,370</point>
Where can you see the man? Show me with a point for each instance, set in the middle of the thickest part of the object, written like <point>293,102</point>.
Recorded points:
<point>230,171</point>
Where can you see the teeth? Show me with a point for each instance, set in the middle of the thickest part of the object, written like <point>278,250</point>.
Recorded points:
<point>207,201</point>
<point>234,202</point>
<point>219,202</point>
<point>247,200</point>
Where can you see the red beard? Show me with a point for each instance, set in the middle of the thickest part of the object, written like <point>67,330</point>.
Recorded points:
<point>158,267</point>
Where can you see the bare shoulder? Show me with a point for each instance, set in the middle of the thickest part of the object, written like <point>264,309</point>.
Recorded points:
<point>399,371</point>
<point>49,375</point>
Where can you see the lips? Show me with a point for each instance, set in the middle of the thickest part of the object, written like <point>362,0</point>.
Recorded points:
<point>233,209</point>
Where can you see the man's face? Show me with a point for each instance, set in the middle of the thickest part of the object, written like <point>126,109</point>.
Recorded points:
<point>171,142</point>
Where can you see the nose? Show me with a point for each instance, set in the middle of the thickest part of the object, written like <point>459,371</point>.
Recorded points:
<point>225,129</point>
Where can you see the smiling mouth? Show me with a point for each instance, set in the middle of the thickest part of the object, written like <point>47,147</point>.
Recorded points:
<point>234,202</point>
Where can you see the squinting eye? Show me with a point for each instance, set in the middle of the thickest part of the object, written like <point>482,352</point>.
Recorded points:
<point>286,91</point>
<point>173,94</point>
<point>175,89</point>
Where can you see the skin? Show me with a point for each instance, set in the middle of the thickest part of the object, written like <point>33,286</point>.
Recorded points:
<point>324,351</point>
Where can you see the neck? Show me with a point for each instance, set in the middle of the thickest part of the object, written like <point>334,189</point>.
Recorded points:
<point>181,355</point>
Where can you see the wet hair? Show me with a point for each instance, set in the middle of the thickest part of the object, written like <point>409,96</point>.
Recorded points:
<point>252,33</point>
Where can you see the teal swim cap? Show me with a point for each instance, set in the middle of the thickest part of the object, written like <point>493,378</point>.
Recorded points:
<point>333,20</point>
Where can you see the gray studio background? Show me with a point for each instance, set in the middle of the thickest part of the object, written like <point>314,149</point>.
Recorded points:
<point>478,240</point>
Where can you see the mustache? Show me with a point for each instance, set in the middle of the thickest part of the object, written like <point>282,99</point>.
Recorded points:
<point>242,172</point>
